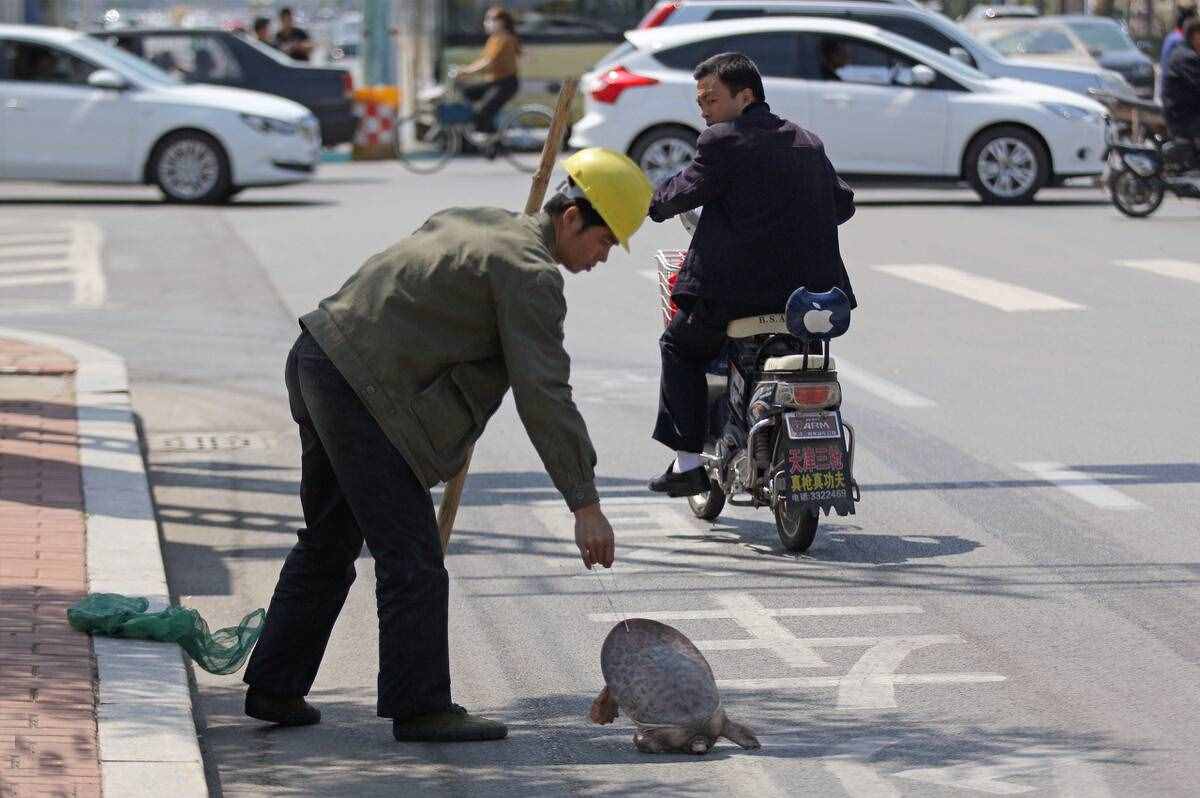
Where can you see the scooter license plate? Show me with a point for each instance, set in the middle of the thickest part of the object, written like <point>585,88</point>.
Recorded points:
<point>813,426</point>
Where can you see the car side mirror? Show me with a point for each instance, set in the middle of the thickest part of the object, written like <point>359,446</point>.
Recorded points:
<point>959,54</point>
<point>918,76</point>
<point>107,79</point>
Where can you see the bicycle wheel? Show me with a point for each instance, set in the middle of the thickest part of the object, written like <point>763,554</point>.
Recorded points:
<point>423,144</point>
<point>522,136</point>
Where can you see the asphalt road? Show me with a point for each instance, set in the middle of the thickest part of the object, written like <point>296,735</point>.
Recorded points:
<point>1011,611</point>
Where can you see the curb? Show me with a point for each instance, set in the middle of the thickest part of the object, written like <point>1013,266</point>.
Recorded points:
<point>148,743</point>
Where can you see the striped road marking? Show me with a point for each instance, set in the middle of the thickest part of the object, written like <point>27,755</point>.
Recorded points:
<point>1081,486</point>
<point>1003,296</point>
<point>66,254</point>
<point>1179,269</point>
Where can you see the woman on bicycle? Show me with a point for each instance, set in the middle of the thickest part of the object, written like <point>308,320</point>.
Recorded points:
<point>499,62</point>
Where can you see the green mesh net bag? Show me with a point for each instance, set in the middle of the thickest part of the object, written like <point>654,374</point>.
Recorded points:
<point>220,652</point>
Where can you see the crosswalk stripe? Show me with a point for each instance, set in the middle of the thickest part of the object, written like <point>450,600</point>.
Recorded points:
<point>884,389</point>
<point>1165,267</point>
<point>1004,296</point>
<point>1081,486</point>
<point>36,279</point>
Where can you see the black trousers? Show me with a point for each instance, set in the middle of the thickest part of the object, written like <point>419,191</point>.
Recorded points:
<point>693,338</point>
<point>354,484</point>
<point>489,98</point>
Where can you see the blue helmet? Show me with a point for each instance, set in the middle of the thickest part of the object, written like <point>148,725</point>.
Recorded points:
<point>818,316</point>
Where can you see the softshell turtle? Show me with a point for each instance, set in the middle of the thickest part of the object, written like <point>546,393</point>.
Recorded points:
<point>664,684</point>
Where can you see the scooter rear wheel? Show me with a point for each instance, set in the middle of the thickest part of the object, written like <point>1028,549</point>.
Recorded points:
<point>709,505</point>
<point>797,528</point>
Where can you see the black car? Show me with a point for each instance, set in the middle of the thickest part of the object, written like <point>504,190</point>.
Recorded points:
<point>225,58</point>
<point>1111,46</point>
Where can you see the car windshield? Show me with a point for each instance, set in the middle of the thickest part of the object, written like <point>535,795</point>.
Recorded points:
<point>938,60</point>
<point>125,62</point>
<point>1103,37</point>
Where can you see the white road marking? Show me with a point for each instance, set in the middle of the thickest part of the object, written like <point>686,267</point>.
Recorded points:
<point>858,778</point>
<point>649,274</point>
<point>884,389</point>
<point>990,777</point>
<point>1081,486</point>
<point>69,253</point>
<point>1004,296</point>
<point>1179,269</point>
<point>870,682</point>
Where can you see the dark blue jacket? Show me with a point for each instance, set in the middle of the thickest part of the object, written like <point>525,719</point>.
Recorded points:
<point>1181,92</point>
<point>772,205</point>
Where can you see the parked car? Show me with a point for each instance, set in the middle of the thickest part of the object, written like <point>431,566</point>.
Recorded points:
<point>986,12</point>
<point>686,12</point>
<point>1110,44</point>
<point>898,108</point>
<point>1036,40</point>
<point>226,58</point>
<point>927,28</point>
<point>75,110</point>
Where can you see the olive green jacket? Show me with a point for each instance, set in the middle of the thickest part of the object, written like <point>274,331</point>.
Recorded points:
<point>432,333</point>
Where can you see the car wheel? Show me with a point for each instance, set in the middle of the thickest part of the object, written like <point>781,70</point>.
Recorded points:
<point>190,166</point>
<point>664,151</point>
<point>1007,166</point>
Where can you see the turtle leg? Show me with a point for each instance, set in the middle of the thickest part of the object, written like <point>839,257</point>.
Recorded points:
<point>666,740</point>
<point>739,734</point>
<point>604,708</point>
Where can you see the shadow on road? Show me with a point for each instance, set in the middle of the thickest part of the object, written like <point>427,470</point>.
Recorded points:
<point>553,750</point>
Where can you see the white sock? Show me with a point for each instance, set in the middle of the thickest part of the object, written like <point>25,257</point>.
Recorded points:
<point>686,461</point>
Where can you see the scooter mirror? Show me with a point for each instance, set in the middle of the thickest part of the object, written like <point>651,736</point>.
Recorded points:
<point>689,220</point>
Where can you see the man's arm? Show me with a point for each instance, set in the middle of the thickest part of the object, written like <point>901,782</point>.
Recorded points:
<point>843,195</point>
<point>530,310</point>
<point>701,182</point>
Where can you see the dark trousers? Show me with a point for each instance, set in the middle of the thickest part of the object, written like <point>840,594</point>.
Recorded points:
<point>693,338</point>
<point>354,484</point>
<point>489,98</point>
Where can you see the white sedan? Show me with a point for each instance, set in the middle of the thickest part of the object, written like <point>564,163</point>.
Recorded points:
<point>75,110</point>
<point>891,107</point>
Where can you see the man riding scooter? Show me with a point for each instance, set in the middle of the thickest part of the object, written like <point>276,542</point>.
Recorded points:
<point>772,203</point>
<point>1181,92</point>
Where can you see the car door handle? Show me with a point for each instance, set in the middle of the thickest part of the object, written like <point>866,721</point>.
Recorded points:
<point>14,104</point>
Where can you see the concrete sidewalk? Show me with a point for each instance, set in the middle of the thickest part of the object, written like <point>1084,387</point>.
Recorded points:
<point>81,717</point>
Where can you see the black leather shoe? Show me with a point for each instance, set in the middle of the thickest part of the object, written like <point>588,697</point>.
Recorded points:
<point>452,725</point>
<point>281,710</point>
<point>680,484</point>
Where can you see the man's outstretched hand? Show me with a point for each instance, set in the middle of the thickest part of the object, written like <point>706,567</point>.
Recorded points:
<point>594,537</point>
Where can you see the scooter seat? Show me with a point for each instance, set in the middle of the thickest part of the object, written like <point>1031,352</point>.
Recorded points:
<point>766,324</point>
<point>796,363</point>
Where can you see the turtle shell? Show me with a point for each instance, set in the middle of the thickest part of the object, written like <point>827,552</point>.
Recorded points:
<point>657,675</point>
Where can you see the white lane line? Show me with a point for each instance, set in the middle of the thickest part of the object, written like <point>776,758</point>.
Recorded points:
<point>884,389</point>
<point>86,244</point>
<point>782,612</point>
<point>1081,486</point>
<point>1004,296</point>
<point>1165,267</point>
<point>882,680</point>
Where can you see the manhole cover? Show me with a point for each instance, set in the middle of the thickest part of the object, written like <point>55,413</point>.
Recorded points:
<point>210,441</point>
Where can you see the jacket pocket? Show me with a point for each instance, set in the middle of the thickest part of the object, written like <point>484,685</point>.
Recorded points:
<point>445,416</point>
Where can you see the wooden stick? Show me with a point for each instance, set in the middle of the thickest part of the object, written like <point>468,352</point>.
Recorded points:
<point>537,193</point>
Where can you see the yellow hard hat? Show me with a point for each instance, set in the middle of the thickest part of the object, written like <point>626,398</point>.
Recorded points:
<point>615,186</point>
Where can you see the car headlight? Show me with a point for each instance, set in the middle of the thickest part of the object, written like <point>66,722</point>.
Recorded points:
<point>1074,113</point>
<point>265,124</point>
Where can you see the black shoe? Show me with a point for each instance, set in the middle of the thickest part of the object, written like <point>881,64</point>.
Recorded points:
<point>453,725</point>
<point>678,484</point>
<point>490,151</point>
<point>281,710</point>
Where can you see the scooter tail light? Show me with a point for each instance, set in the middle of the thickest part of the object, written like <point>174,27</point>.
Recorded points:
<point>812,395</point>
